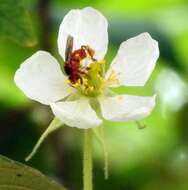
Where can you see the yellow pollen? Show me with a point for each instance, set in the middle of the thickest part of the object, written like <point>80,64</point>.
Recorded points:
<point>67,81</point>
<point>91,82</point>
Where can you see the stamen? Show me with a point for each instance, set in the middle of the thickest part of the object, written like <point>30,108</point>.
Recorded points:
<point>112,79</point>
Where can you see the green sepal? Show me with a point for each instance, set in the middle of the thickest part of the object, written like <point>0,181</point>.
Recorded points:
<point>99,133</point>
<point>55,124</point>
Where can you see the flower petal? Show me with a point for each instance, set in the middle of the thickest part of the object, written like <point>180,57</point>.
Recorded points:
<point>126,107</point>
<point>135,60</point>
<point>41,79</point>
<point>76,113</point>
<point>88,27</point>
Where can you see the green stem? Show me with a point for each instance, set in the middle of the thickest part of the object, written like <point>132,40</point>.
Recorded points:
<point>87,160</point>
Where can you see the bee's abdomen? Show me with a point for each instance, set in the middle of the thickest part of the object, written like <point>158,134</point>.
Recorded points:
<point>72,66</point>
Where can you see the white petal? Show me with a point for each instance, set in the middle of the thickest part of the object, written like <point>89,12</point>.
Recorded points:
<point>126,107</point>
<point>41,79</point>
<point>135,60</point>
<point>76,113</point>
<point>88,27</point>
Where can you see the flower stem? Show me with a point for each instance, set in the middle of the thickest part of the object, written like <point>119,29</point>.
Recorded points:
<point>87,160</point>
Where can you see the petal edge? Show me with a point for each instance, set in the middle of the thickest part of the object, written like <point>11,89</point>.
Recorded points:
<point>88,27</point>
<point>135,60</point>
<point>76,113</point>
<point>41,79</point>
<point>126,107</point>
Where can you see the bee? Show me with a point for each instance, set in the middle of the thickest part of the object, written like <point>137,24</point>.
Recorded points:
<point>73,59</point>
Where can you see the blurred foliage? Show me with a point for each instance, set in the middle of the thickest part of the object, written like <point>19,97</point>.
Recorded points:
<point>15,22</point>
<point>140,159</point>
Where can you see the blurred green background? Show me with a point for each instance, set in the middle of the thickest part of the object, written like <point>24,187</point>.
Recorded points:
<point>155,157</point>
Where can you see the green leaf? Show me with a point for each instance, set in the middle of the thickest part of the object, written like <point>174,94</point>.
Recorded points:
<point>16,176</point>
<point>15,23</point>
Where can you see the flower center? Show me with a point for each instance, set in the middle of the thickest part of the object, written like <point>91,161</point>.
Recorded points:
<point>86,74</point>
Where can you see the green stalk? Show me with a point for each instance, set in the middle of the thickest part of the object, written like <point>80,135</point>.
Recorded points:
<point>87,160</point>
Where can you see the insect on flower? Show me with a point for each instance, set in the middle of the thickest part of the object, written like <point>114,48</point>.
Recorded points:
<point>73,60</point>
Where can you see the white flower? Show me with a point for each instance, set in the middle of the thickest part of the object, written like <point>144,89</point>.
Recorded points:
<point>71,96</point>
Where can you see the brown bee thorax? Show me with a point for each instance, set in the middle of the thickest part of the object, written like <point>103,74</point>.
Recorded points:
<point>73,67</point>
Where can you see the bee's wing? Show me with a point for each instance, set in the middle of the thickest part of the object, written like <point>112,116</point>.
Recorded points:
<point>69,47</point>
